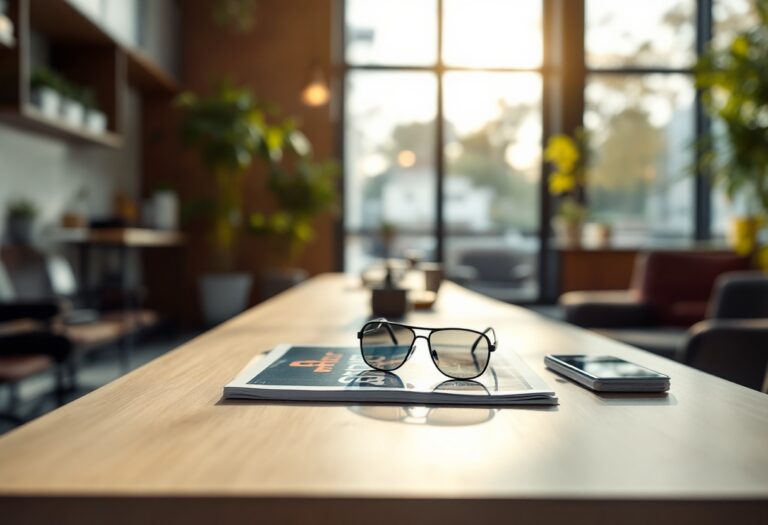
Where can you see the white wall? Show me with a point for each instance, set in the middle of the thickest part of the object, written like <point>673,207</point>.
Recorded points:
<point>51,171</point>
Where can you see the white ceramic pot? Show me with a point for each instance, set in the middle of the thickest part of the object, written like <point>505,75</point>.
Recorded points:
<point>567,233</point>
<point>95,121</point>
<point>48,101</point>
<point>224,295</point>
<point>165,210</point>
<point>72,112</point>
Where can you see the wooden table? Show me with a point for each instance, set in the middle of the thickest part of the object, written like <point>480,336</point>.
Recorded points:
<point>160,444</point>
<point>129,237</point>
<point>123,241</point>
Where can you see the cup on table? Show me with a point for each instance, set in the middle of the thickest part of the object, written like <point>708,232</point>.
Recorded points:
<point>433,275</point>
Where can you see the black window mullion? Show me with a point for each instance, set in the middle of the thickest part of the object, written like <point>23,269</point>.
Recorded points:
<point>439,140</point>
<point>702,181</point>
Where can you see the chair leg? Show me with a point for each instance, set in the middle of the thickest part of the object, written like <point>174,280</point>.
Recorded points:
<point>72,370</point>
<point>13,396</point>
<point>13,401</point>
<point>61,384</point>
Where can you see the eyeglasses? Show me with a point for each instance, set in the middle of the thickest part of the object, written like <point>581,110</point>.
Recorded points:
<point>458,353</point>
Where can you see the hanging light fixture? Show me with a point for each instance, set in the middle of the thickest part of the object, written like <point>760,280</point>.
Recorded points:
<point>316,92</point>
<point>6,26</point>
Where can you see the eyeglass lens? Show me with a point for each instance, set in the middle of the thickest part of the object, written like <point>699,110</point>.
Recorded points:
<point>460,353</point>
<point>385,346</point>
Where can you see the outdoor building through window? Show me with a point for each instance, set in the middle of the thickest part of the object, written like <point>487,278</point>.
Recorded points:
<point>443,136</point>
<point>445,104</point>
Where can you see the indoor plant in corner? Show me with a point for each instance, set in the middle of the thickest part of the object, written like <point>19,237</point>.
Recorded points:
<point>735,93</point>
<point>568,156</point>
<point>302,191</point>
<point>230,132</point>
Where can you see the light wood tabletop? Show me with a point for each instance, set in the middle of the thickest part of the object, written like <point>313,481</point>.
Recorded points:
<point>161,445</point>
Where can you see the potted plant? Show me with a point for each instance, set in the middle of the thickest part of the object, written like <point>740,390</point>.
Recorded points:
<point>46,87</point>
<point>302,192</point>
<point>72,109</point>
<point>229,131</point>
<point>95,120</point>
<point>566,184</point>
<point>20,221</point>
<point>735,93</point>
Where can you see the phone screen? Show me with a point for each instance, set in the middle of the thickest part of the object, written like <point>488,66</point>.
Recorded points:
<point>601,367</point>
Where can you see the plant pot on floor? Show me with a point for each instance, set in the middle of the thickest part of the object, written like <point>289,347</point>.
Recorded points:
<point>275,281</point>
<point>224,295</point>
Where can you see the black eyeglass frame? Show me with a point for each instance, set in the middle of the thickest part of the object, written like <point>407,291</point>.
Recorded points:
<point>492,345</point>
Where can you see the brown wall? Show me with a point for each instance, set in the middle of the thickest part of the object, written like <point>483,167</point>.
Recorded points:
<point>274,59</point>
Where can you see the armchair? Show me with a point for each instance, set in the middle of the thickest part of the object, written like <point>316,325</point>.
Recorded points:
<point>733,343</point>
<point>670,291</point>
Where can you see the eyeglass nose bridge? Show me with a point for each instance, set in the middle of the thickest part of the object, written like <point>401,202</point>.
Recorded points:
<point>426,338</point>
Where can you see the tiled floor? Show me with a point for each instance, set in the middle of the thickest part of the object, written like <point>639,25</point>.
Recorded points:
<point>98,369</point>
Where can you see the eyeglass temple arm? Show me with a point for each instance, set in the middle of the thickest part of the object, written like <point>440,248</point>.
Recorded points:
<point>383,321</point>
<point>493,341</point>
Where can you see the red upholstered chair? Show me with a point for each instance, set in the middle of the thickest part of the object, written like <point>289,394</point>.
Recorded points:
<point>670,291</point>
<point>678,285</point>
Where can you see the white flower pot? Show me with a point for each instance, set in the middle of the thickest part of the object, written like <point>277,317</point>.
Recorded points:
<point>48,101</point>
<point>567,233</point>
<point>224,295</point>
<point>165,210</point>
<point>95,121</point>
<point>72,112</point>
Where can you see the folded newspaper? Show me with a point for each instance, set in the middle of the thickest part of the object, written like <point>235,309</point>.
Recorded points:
<point>332,373</point>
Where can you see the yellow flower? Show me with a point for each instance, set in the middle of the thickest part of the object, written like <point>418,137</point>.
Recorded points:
<point>740,46</point>
<point>560,183</point>
<point>563,152</point>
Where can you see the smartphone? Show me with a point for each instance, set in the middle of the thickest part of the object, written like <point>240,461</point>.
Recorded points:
<point>607,373</point>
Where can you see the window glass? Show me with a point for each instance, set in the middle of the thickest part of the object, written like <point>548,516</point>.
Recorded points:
<point>391,32</point>
<point>493,163</point>
<point>731,17</point>
<point>658,33</point>
<point>492,33</point>
<point>390,141</point>
<point>641,131</point>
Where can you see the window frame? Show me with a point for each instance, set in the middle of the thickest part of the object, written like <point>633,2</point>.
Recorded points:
<point>564,72</point>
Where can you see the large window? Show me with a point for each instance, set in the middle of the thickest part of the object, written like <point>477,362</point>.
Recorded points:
<point>444,109</point>
<point>443,105</point>
<point>639,111</point>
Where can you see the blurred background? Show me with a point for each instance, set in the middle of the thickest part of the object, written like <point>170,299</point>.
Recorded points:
<point>165,164</point>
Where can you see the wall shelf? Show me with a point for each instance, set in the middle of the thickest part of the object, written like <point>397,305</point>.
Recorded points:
<point>147,76</point>
<point>84,53</point>
<point>32,119</point>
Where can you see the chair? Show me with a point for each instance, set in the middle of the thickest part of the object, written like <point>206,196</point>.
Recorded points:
<point>733,343</point>
<point>28,347</point>
<point>498,272</point>
<point>30,275</point>
<point>670,292</point>
<point>497,265</point>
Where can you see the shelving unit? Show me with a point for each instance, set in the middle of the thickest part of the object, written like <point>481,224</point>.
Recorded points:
<point>84,53</point>
<point>30,118</point>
